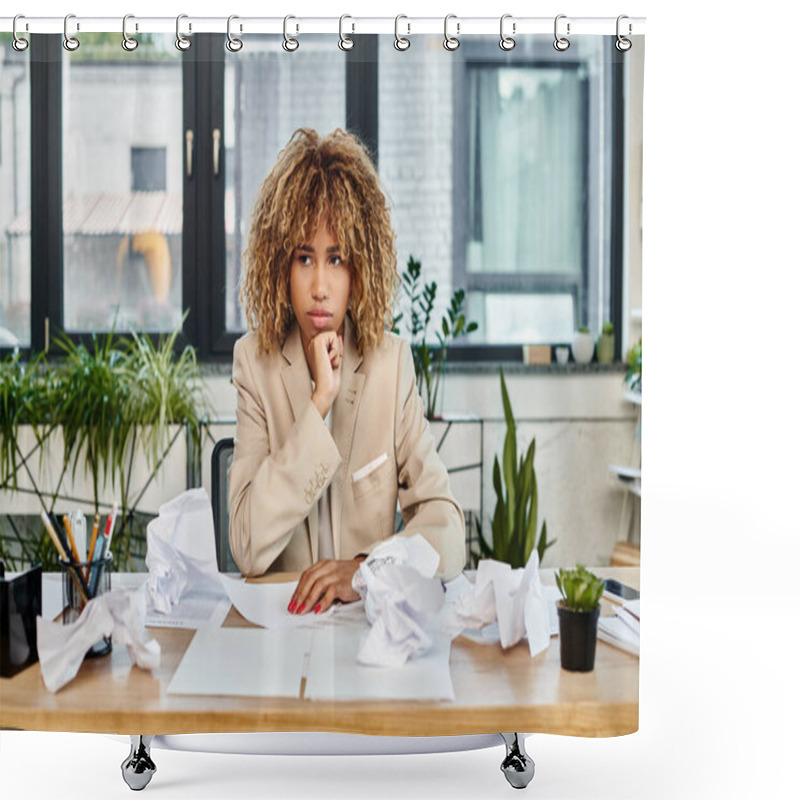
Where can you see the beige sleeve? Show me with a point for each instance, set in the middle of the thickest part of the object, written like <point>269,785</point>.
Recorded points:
<point>427,504</point>
<point>272,491</point>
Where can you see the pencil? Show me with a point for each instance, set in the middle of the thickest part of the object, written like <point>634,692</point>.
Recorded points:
<point>68,529</point>
<point>76,577</point>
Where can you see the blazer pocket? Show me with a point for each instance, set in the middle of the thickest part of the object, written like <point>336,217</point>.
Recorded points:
<point>370,477</point>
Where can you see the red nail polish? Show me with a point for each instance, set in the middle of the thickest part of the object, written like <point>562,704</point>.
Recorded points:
<point>317,608</point>
<point>291,606</point>
<point>300,610</point>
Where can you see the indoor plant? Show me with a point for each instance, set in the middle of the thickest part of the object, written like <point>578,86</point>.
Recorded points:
<point>582,346</point>
<point>107,402</point>
<point>429,359</point>
<point>517,508</point>
<point>578,612</point>
<point>633,359</point>
<point>605,344</point>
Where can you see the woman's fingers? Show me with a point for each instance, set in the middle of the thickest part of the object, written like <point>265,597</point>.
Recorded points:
<point>323,583</point>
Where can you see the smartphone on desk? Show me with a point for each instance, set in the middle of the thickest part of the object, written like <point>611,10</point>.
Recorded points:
<point>619,591</point>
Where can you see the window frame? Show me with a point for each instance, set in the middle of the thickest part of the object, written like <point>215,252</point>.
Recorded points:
<point>203,247</point>
<point>481,54</point>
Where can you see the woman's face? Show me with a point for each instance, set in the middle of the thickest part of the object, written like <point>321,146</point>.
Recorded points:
<point>319,285</point>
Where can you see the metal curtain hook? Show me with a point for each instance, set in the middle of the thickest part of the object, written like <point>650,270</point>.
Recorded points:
<point>233,44</point>
<point>19,44</point>
<point>451,42</point>
<point>622,43</point>
<point>561,43</point>
<point>507,42</point>
<point>128,43</point>
<point>289,44</point>
<point>345,42</point>
<point>181,42</point>
<point>400,42</point>
<point>70,42</point>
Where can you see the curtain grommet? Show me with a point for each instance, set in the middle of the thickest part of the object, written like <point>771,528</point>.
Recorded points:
<point>561,43</point>
<point>71,44</point>
<point>18,43</point>
<point>129,44</point>
<point>289,44</point>
<point>507,42</point>
<point>181,42</point>
<point>400,42</point>
<point>451,43</point>
<point>233,44</point>
<point>345,42</point>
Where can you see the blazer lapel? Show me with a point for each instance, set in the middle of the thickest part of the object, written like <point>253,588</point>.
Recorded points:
<point>297,381</point>
<point>343,424</point>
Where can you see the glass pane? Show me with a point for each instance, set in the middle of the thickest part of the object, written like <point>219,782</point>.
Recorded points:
<point>267,97</point>
<point>123,184</point>
<point>525,318</point>
<point>525,170</point>
<point>15,196</point>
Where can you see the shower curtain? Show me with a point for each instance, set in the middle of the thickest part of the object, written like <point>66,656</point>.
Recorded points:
<point>512,173</point>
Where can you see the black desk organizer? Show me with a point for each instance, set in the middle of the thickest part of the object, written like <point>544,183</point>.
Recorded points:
<point>20,604</point>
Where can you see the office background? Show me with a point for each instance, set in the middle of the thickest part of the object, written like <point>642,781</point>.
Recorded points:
<point>720,283</point>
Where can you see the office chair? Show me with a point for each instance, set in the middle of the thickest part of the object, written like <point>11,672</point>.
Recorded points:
<point>221,458</point>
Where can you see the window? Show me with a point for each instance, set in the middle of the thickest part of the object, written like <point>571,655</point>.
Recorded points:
<point>504,172</point>
<point>15,192</point>
<point>122,202</point>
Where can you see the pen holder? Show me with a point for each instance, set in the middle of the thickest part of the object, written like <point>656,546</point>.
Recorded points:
<point>82,582</point>
<point>20,604</point>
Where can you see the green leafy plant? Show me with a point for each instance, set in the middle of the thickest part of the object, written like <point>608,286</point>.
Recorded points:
<point>24,400</point>
<point>517,509</point>
<point>91,409</point>
<point>580,589</point>
<point>103,396</point>
<point>633,359</point>
<point>429,359</point>
<point>583,329</point>
<point>608,328</point>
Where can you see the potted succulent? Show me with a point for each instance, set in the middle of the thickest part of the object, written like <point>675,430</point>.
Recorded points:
<point>605,344</point>
<point>578,612</point>
<point>582,346</point>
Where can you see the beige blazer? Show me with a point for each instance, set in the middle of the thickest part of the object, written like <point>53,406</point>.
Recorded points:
<point>379,449</point>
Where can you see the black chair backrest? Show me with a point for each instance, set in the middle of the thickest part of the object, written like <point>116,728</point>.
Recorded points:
<point>221,458</point>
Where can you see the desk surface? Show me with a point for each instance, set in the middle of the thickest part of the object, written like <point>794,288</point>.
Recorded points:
<point>495,690</point>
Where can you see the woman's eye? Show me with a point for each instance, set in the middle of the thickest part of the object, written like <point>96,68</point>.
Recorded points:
<point>336,260</point>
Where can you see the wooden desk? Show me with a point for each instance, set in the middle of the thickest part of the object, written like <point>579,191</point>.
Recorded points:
<point>495,690</point>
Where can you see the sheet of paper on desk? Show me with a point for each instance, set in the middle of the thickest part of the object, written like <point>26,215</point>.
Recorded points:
<point>267,603</point>
<point>334,674</point>
<point>243,661</point>
<point>195,609</point>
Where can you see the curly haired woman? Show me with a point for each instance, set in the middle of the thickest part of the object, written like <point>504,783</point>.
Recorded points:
<point>330,430</point>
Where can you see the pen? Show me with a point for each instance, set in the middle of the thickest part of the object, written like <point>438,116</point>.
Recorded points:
<point>68,529</point>
<point>112,519</point>
<point>90,551</point>
<point>77,578</point>
<point>96,563</point>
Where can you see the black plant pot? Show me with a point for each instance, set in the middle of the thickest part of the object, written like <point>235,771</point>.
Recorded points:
<point>578,635</point>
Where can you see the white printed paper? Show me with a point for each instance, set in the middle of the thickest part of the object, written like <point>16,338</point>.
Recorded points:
<point>333,673</point>
<point>243,661</point>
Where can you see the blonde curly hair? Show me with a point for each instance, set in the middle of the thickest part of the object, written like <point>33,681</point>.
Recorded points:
<point>313,177</point>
